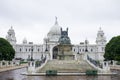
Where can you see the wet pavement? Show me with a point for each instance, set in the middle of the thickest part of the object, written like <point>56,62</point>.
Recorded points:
<point>16,75</point>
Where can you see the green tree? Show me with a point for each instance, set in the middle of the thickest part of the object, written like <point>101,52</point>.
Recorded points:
<point>112,49</point>
<point>6,50</point>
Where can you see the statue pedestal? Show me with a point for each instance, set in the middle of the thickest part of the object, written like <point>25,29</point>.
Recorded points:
<point>65,52</point>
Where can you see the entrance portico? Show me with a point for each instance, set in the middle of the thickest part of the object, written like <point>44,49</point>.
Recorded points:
<point>55,52</point>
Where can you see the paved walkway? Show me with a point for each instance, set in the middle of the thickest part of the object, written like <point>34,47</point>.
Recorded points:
<point>66,66</point>
<point>12,67</point>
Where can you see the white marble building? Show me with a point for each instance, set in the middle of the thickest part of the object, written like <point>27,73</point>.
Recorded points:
<point>95,51</point>
<point>26,49</point>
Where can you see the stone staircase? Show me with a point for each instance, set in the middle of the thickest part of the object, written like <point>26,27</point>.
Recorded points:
<point>66,66</point>
<point>80,57</point>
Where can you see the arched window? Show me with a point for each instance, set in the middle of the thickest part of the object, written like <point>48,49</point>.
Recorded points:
<point>103,48</point>
<point>80,50</point>
<point>29,49</point>
<point>26,49</point>
<point>83,50</point>
<point>20,49</point>
<point>74,50</point>
<point>91,50</point>
<point>38,50</point>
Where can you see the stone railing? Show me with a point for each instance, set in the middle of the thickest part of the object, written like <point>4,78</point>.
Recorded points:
<point>102,67</point>
<point>39,63</point>
<point>33,66</point>
<point>96,63</point>
<point>4,63</point>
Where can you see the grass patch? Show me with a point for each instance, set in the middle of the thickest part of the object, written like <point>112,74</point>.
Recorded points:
<point>23,62</point>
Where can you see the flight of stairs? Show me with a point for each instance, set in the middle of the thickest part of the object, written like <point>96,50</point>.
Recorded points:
<point>66,66</point>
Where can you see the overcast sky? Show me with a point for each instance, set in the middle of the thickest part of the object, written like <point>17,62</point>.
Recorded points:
<point>32,19</point>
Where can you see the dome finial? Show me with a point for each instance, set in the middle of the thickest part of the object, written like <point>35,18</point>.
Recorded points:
<point>11,27</point>
<point>100,28</point>
<point>56,22</point>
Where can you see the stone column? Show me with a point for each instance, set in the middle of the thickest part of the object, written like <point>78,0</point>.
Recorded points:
<point>17,63</point>
<point>47,56</point>
<point>6,63</point>
<point>12,63</point>
<point>113,63</point>
<point>31,67</point>
<point>103,65</point>
<point>106,67</point>
<point>0,63</point>
<point>51,53</point>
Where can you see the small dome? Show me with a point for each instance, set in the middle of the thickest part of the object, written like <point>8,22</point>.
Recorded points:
<point>11,36</point>
<point>24,41</point>
<point>86,41</point>
<point>11,30</point>
<point>100,31</point>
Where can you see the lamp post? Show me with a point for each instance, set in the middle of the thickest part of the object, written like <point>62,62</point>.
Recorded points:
<point>0,56</point>
<point>78,49</point>
<point>86,48</point>
<point>31,53</point>
<point>46,41</point>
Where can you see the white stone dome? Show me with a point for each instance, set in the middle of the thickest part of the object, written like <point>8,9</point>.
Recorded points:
<point>11,31</point>
<point>24,41</point>
<point>55,30</point>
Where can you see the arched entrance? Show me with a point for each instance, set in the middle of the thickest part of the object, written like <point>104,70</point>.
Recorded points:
<point>55,52</point>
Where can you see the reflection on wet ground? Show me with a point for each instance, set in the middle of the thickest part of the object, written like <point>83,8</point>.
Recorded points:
<point>16,75</point>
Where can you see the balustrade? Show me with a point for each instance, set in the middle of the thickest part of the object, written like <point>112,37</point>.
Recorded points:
<point>8,63</point>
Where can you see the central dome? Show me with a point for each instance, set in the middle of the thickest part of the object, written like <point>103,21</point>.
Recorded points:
<point>55,30</point>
